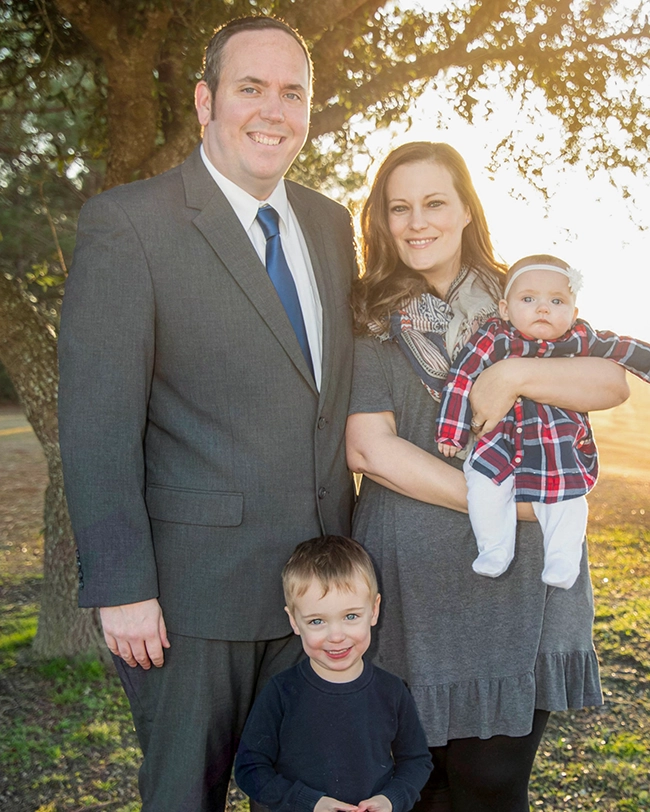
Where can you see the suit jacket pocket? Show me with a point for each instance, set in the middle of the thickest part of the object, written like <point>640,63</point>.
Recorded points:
<point>208,508</point>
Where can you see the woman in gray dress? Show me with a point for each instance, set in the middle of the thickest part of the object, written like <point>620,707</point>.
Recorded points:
<point>486,659</point>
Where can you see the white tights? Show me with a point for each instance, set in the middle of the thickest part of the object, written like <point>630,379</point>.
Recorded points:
<point>493,514</point>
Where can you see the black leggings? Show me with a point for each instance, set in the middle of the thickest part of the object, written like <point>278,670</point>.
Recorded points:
<point>482,775</point>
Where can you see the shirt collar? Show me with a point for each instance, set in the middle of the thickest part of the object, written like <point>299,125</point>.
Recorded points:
<point>245,205</point>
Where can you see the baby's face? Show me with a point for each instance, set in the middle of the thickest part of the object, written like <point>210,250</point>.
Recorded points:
<point>540,305</point>
<point>335,628</point>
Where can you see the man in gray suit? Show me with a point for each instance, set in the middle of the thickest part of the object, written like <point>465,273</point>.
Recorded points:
<point>202,411</point>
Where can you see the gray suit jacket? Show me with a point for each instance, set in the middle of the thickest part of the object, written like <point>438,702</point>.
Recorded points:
<point>197,451</point>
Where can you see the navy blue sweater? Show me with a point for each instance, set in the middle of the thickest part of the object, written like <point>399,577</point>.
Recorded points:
<point>306,737</point>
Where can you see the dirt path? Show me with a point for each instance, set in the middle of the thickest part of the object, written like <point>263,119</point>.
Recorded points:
<point>23,479</point>
<point>622,495</point>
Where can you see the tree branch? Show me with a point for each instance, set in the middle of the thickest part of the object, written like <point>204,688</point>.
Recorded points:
<point>312,19</point>
<point>391,80</point>
<point>330,47</point>
<point>96,20</point>
<point>50,221</point>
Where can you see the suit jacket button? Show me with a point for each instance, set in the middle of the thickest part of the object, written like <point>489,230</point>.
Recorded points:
<point>322,422</point>
<point>322,493</point>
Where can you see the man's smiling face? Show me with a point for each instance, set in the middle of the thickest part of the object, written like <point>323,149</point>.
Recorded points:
<point>259,117</point>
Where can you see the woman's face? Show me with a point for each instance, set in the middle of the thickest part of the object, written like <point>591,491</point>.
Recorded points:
<point>426,218</point>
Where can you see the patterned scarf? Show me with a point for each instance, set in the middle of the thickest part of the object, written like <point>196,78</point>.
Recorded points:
<point>430,332</point>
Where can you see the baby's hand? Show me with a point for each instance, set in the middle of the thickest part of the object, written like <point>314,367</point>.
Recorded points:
<point>378,803</point>
<point>326,804</point>
<point>447,450</point>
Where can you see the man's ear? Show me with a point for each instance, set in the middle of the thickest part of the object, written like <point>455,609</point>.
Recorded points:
<point>203,103</point>
<point>503,309</point>
<point>294,625</point>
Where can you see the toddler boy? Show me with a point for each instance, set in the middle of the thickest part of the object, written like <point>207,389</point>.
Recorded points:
<point>333,732</point>
<point>538,453</point>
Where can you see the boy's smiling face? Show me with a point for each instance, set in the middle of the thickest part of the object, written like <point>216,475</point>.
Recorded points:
<point>335,628</point>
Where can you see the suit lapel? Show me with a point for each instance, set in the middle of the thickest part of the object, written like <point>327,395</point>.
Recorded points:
<point>221,228</point>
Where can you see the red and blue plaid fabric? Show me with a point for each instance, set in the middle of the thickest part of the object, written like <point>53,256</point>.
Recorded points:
<point>550,451</point>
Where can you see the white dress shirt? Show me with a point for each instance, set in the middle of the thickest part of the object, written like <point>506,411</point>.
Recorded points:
<point>295,250</point>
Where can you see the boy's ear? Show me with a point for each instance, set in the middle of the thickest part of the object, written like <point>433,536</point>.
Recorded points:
<point>375,611</point>
<point>503,309</point>
<point>294,625</point>
<point>575,313</point>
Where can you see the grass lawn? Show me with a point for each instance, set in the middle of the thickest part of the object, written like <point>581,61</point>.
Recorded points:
<point>600,759</point>
<point>66,739</point>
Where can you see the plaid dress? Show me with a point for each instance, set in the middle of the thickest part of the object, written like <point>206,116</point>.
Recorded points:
<point>550,451</point>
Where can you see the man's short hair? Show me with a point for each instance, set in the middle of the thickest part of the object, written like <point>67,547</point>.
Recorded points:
<point>334,561</point>
<point>213,58</point>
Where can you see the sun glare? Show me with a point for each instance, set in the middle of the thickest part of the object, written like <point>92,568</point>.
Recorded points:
<point>587,218</point>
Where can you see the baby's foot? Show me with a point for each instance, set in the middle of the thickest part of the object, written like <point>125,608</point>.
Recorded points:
<point>492,563</point>
<point>560,572</point>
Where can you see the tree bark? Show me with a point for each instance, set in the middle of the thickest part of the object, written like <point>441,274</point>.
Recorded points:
<point>130,58</point>
<point>28,352</point>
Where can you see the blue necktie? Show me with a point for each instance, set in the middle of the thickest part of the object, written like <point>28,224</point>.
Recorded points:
<point>278,271</point>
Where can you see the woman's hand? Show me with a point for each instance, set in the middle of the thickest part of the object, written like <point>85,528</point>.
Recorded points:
<point>579,384</point>
<point>493,394</point>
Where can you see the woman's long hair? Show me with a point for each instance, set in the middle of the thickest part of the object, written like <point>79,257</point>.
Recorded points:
<point>386,283</point>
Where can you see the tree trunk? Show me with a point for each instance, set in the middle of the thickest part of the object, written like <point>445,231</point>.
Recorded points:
<point>28,352</point>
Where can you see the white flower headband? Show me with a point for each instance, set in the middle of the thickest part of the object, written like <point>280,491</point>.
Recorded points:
<point>572,274</point>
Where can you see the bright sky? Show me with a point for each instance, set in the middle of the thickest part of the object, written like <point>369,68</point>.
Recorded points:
<point>586,222</point>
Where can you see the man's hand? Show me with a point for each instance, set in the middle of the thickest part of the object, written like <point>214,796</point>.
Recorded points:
<point>447,450</point>
<point>136,632</point>
<point>378,803</point>
<point>326,804</point>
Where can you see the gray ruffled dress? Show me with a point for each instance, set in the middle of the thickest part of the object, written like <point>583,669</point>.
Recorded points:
<point>478,654</point>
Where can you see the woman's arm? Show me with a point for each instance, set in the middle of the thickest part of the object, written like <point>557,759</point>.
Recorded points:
<point>580,384</point>
<point>375,450</point>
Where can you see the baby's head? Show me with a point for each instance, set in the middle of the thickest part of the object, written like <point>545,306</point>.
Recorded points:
<point>330,589</point>
<point>540,296</point>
